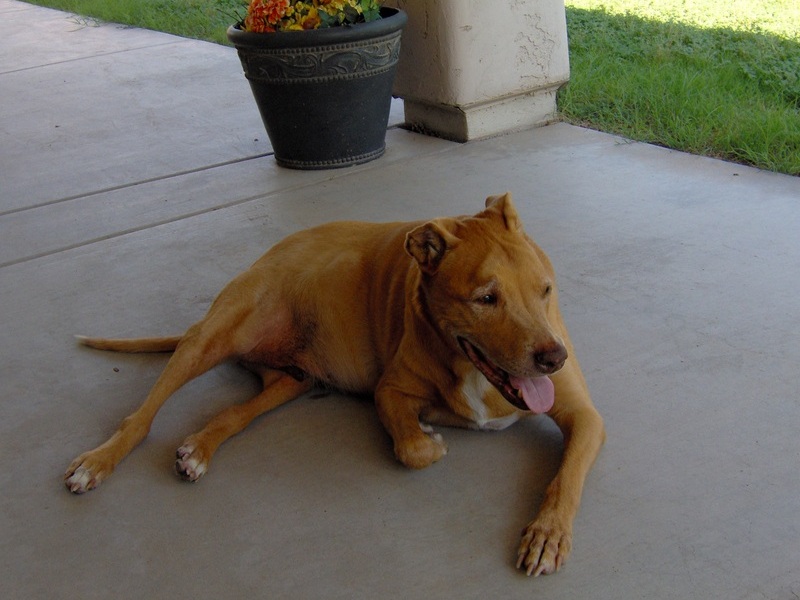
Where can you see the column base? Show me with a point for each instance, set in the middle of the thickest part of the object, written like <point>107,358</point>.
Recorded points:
<point>481,120</point>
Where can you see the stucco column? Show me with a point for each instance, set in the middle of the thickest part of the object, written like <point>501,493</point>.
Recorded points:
<point>475,68</point>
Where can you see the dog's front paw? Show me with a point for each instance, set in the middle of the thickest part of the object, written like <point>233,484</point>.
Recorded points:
<point>420,451</point>
<point>191,460</point>
<point>87,471</point>
<point>544,548</point>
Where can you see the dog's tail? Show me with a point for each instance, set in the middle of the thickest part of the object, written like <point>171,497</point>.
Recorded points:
<point>155,344</point>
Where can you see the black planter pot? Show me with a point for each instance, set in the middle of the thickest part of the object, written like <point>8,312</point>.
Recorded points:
<point>324,95</point>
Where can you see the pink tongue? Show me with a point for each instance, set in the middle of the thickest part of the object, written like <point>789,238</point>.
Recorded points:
<point>537,392</point>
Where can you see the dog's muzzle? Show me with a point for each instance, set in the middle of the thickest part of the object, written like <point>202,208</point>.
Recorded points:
<point>535,394</point>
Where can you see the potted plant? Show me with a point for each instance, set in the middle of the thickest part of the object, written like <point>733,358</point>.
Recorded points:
<point>321,72</point>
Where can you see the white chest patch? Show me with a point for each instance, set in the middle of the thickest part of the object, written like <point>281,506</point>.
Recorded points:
<point>474,388</point>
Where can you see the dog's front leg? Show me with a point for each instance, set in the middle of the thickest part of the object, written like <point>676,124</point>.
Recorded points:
<point>415,445</point>
<point>547,540</point>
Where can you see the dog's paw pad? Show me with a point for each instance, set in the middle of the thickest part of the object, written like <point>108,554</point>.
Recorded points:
<point>420,451</point>
<point>189,463</point>
<point>81,480</point>
<point>543,550</point>
<point>86,472</point>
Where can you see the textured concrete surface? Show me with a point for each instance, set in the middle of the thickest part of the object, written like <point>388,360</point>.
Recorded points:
<point>135,180</point>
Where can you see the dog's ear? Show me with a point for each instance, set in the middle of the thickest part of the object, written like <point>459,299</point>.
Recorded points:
<point>428,244</point>
<point>504,206</point>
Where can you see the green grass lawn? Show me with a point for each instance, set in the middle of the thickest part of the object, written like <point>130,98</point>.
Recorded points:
<point>715,78</point>
<point>199,19</point>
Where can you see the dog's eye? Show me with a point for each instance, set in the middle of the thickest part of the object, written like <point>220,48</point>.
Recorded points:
<point>548,290</point>
<point>488,299</point>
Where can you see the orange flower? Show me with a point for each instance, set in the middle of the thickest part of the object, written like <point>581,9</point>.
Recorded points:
<point>263,15</point>
<point>297,15</point>
<point>276,9</point>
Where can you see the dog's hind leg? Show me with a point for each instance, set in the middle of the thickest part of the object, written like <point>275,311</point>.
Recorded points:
<point>196,452</point>
<point>204,345</point>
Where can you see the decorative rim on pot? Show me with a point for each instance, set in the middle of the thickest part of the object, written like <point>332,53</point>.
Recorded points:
<point>391,19</point>
<point>321,55</point>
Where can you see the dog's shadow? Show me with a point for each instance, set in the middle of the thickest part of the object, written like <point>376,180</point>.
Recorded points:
<point>486,489</point>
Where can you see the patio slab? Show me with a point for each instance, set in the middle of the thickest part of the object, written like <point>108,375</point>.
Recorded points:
<point>679,282</point>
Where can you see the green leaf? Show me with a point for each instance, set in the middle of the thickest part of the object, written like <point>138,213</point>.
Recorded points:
<point>370,9</point>
<point>351,15</point>
<point>327,20</point>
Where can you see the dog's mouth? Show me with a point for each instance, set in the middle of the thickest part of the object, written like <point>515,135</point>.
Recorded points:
<point>535,394</point>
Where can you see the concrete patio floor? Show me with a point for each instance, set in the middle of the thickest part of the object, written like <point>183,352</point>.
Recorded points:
<point>135,180</point>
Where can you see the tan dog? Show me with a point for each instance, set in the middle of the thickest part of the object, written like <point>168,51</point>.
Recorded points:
<point>461,329</point>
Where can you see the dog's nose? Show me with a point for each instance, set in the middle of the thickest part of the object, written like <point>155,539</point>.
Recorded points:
<point>551,359</point>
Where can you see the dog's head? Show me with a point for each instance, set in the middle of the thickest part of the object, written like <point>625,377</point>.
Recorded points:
<point>491,292</point>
